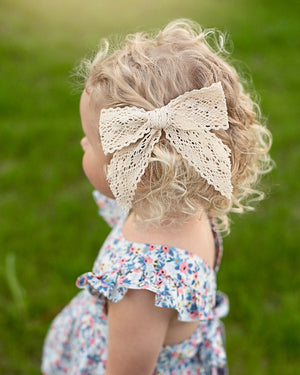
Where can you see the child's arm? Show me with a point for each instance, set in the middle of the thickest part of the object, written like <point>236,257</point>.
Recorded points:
<point>137,329</point>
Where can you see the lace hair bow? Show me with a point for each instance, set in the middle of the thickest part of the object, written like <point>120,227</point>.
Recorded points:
<point>130,133</point>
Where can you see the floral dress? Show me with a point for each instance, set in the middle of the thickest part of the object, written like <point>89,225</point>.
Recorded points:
<point>77,341</point>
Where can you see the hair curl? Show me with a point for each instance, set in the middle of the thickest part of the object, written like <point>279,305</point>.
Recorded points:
<point>148,71</point>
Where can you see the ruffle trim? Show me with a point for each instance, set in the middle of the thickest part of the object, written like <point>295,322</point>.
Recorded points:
<point>191,304</point>
<point>108,209</point>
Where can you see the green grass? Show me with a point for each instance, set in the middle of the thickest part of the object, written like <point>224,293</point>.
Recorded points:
<point>49,231</point>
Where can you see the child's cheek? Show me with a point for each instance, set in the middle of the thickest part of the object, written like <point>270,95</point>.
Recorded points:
<point>85,165</point>
<point>95,173</point>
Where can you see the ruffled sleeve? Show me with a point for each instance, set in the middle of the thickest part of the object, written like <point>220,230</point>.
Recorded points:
<point>179,280</point>
<point>109,210</point>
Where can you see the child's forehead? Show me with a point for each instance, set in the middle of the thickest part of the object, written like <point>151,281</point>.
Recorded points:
<point>89,114</point>
<point>84,105</point>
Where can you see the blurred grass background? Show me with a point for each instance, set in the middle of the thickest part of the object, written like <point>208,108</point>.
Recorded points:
<point>49,229</point>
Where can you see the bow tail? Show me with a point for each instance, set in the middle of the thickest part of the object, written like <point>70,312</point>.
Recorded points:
<point>207,154</point>
<point>212,353</point>
<point>127,167</point>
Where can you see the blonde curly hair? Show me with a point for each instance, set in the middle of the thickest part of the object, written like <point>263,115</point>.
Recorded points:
<point>148,71</point>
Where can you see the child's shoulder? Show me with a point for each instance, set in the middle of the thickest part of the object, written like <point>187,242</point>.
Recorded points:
<point>175,275</point>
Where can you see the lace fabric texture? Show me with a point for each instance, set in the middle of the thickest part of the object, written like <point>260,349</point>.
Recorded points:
<point>130,133</point>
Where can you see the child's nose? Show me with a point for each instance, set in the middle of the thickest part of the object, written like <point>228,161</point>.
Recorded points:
<point>83,142</point>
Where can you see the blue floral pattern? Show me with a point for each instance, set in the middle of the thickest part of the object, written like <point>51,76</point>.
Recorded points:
<point>77,340</point>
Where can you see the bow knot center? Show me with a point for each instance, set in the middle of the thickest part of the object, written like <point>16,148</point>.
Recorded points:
<point>158,118</point>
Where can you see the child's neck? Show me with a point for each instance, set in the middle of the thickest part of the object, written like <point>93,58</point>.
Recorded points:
<point>194,235</point>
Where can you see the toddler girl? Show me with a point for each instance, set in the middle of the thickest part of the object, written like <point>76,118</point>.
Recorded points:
<point>172,144</point>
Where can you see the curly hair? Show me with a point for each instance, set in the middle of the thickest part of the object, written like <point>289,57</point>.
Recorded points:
<point>148,71</point>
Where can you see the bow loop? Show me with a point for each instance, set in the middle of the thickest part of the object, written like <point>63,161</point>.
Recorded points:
<point>119,127</point>
<point>205,107</point>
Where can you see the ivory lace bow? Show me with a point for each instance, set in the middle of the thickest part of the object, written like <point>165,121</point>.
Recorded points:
<point>130,134</point>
